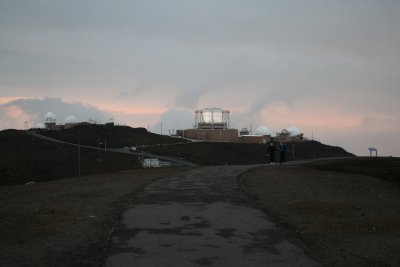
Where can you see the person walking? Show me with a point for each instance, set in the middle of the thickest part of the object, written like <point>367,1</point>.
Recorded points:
<point>282,153</point>
<point>271,153</point>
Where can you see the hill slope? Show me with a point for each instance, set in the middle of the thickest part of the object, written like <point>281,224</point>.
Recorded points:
<point>24,158</point>
<point>213,153</point>
<point>115,136</point>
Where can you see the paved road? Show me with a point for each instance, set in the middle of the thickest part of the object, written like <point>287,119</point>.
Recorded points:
<point>200,218</point>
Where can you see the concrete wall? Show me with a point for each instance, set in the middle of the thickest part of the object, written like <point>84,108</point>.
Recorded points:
<point>228,135</point>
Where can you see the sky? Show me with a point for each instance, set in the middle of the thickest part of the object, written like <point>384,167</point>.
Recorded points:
<point>329,68</point>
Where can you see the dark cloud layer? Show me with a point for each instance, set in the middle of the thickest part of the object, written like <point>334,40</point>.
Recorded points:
<point>312,57</point>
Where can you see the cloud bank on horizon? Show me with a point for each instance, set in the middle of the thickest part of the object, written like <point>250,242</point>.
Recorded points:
<point>330,68</point>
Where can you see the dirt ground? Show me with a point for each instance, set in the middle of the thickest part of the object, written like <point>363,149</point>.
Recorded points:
<point>344,219</point>
<point>66,222</point>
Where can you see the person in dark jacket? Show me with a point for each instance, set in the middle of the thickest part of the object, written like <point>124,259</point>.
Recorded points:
<point>271,153</point>
<point>282,153</point>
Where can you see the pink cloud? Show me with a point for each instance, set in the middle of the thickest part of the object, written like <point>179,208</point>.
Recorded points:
<point>14,117</point>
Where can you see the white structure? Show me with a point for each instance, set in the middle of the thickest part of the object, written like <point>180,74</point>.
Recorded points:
<point>50,121</point>
<point>70,119</point>
<point>293,130</point>
<point>151,163</point>
<point>212,119</point>
<point>50,117</point>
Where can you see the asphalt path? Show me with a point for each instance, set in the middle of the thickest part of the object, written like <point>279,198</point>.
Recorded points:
<point>200,218</point>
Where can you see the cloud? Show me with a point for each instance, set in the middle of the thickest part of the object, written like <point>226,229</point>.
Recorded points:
<point>172,120</point>
<point>379,121</point>
<point>14,117</point>
<point>313,64</point>
<point>16,112</point>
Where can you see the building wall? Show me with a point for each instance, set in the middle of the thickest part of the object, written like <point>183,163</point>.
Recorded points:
<point>50,125</point>
<point>71,124</point>
<point>228,135</point>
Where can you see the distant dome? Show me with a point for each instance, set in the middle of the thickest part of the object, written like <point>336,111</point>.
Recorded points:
<point>262,130</point>
<point>50,117</point>
<point>293,130</point>
<point>70,119</point>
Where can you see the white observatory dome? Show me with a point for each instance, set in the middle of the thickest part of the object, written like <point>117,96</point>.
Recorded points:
<point>50,117</point>
<point>71,119</point>
<point>262,130</point>
<point>293,130</point>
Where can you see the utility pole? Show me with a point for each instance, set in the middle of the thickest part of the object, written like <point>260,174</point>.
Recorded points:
<point>161,128</point>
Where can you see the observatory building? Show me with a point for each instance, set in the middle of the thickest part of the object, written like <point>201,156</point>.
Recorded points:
<point>50,121</point>
<point>70,121</point>
<point>211,124</point>
<point>288,136</point>
<point>212,119</point>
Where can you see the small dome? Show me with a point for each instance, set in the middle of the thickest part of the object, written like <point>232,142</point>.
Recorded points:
<point>293,130</point>
<point>70,119</point>
<point>50,117</point>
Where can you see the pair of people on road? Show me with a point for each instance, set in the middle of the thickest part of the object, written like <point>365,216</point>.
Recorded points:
<point>282,152</point>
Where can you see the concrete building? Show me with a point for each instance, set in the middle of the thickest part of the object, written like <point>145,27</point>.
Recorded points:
<point>226,135</point>
<point>285,136</point>
<point>50,121</point>
<point>211,124</point>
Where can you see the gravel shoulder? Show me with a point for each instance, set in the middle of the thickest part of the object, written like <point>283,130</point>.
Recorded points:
<point>67,222</point>
<point>344,219</point>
